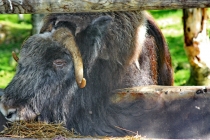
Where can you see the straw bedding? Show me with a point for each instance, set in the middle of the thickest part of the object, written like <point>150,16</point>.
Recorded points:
<point>23,129</point>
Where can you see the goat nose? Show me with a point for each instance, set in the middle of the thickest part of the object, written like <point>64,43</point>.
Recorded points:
<point>11,113</point>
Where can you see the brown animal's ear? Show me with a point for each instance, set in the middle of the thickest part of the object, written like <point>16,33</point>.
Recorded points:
<point>98,26</point>
<point>89,40</point>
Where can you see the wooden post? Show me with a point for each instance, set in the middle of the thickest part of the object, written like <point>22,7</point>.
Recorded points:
<point>50,6</point>
<point>197,45</point>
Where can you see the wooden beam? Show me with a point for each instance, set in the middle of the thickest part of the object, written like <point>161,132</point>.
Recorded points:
<point>52,6</point>
<point>167,111</point>
<point>160,93</point>
<point>162,111</point>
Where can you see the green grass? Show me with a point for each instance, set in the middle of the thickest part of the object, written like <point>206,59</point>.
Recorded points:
<point>12,33</point>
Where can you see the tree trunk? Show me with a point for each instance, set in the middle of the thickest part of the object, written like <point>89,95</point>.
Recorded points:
<point>197,45</point>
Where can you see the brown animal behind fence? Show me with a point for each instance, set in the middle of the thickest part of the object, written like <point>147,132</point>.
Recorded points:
<point>118,50</point>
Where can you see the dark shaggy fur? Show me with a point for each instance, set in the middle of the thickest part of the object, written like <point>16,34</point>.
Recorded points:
<point>112,45</point>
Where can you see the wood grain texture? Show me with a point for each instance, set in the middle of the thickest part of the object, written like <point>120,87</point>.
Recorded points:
<point>52,6</point>
<point>168,112</point>
<point>160,93</point>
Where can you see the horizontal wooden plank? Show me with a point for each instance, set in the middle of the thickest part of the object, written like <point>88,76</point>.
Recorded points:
<point>168,111</point>
<point>52,6</point>
<point>161,93</point>
<point>164,111</point>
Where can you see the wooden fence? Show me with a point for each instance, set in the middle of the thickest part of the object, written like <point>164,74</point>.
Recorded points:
<point>50,6</point>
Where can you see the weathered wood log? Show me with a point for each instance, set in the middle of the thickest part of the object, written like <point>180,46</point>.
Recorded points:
<point>50,6</point>
<point>160,93</point>
<point>168,112</point>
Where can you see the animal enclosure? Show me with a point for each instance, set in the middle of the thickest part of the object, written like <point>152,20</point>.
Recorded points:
<point>186,106</point>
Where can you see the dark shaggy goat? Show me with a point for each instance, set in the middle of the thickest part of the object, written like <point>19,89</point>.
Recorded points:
<point>118,50</point>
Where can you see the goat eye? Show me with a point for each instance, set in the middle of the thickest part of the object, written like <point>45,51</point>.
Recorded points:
<point>59,63</point>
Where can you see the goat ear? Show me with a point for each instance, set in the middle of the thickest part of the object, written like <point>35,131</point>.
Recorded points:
<point>89,39</point>
<point>98,26</point>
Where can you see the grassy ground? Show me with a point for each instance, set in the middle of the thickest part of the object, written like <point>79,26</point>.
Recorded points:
<point>170,22</point>
<point>12,33</point>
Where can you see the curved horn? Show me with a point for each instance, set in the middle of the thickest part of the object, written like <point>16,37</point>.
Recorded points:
<point>64,36</point>
<point>15,57</point>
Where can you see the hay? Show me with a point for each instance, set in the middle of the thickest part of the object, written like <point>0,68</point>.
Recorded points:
<point>40,130</point>
<point>23,129</point>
